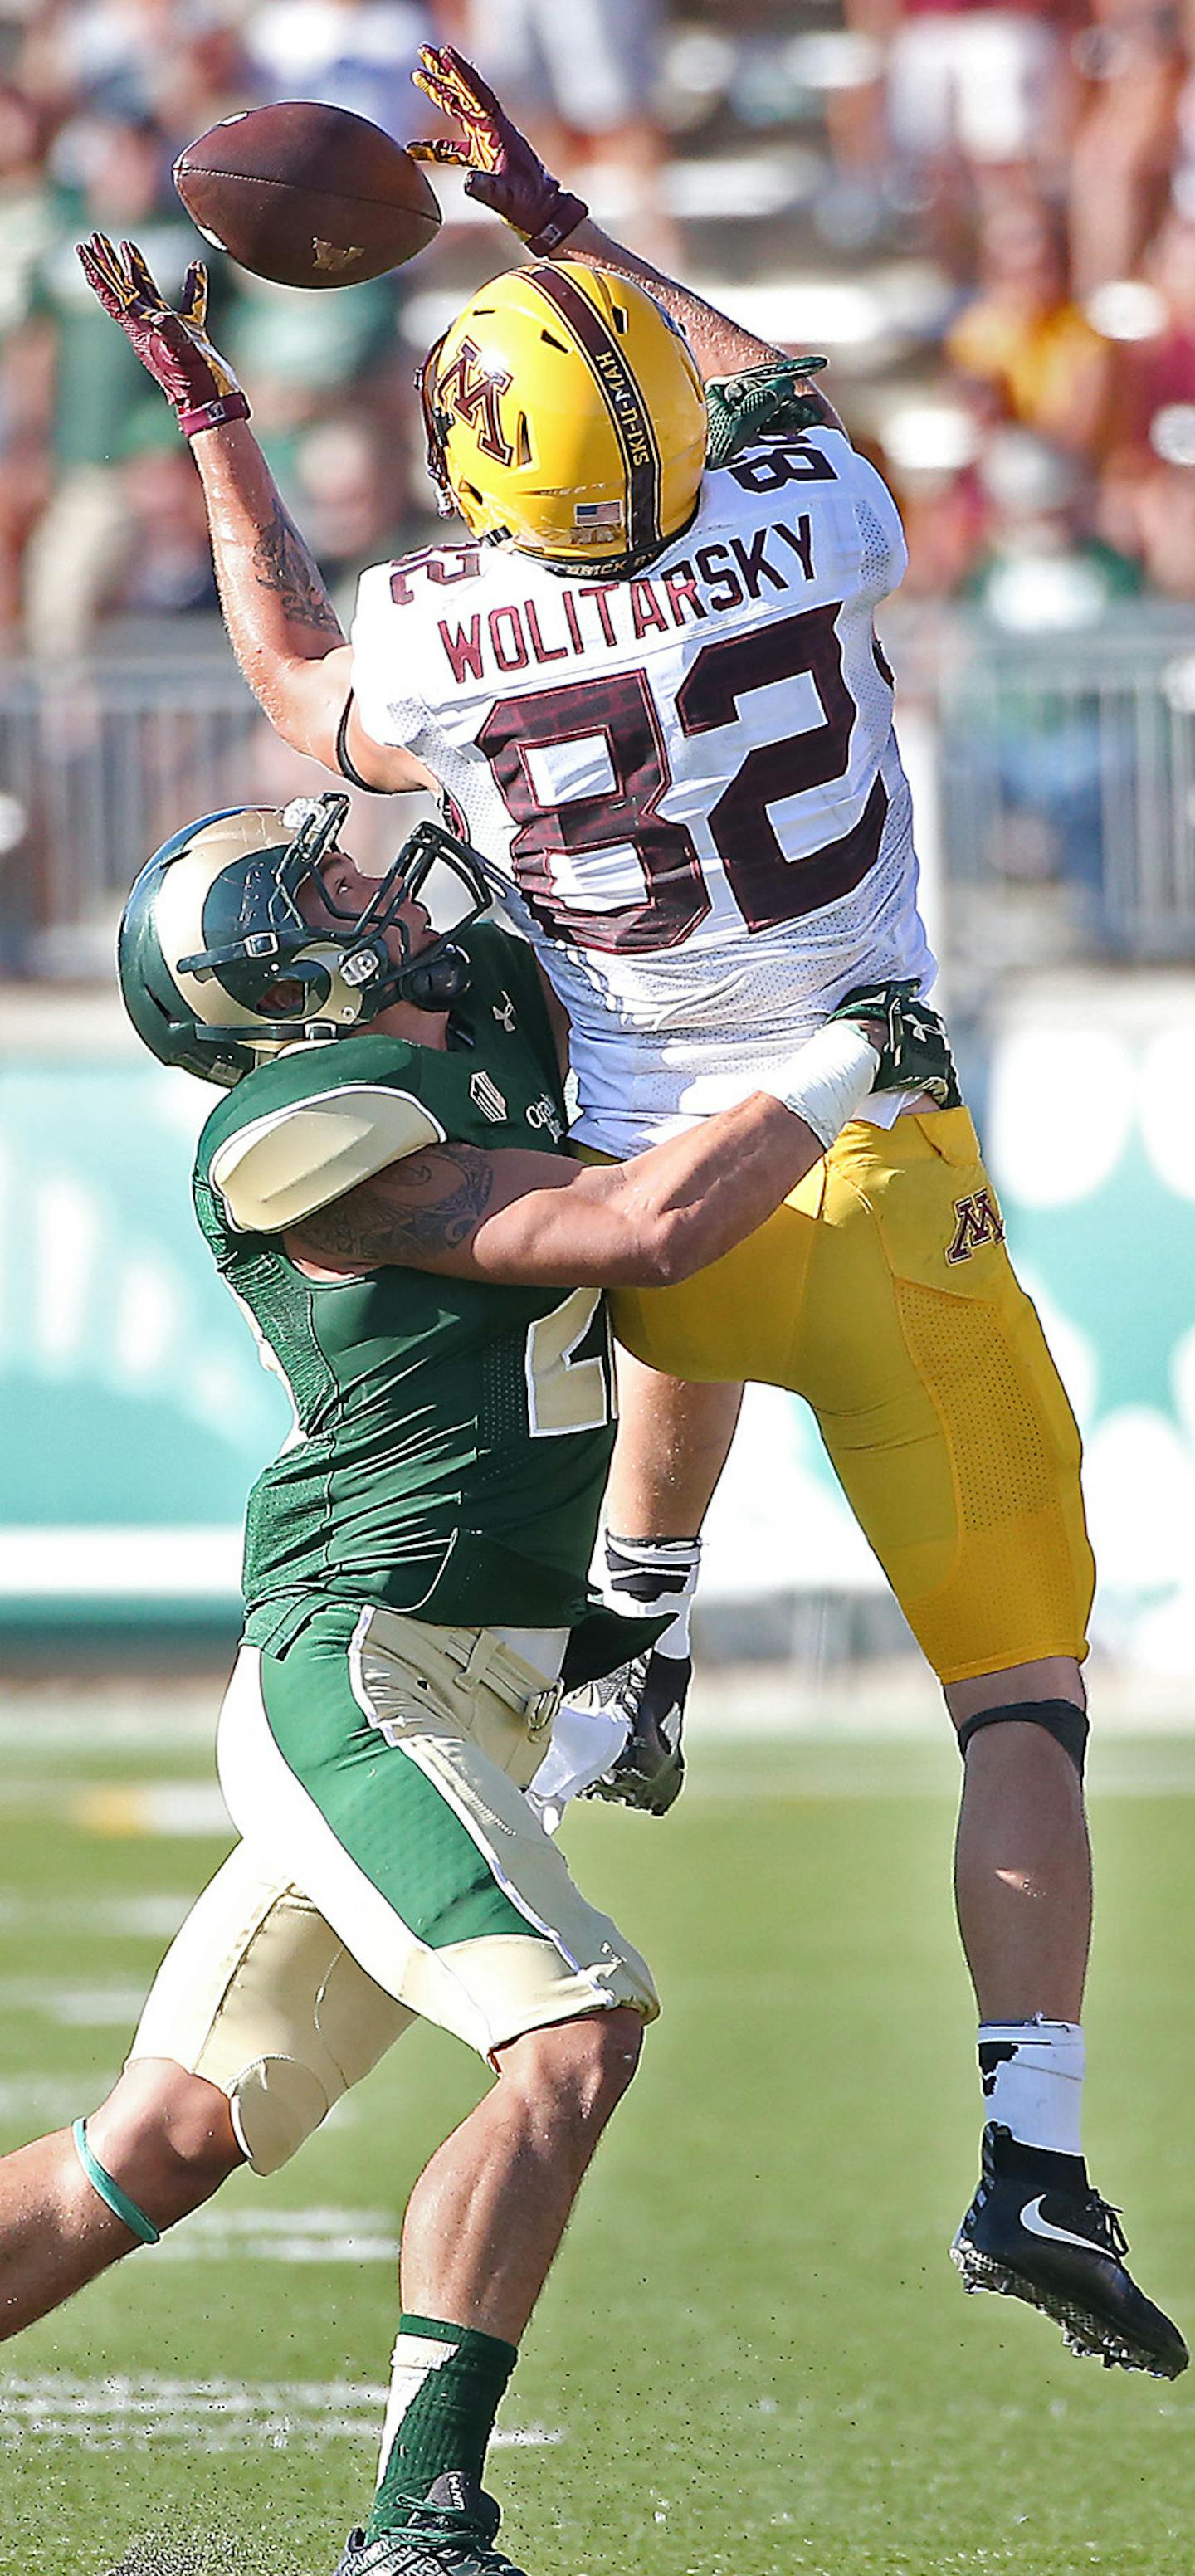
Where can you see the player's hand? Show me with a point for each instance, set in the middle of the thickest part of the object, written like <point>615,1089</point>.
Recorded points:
<point>505,174</point>
<point>773,400</point>
<point>174,346</point>
<point>649,1772</point>
<point>915,1055</point>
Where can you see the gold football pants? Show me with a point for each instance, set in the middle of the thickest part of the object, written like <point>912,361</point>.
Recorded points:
<point>882,1292</point>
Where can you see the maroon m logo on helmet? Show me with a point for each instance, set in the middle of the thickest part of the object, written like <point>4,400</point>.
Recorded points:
<point>977,1220</point>
<point>469,390</point>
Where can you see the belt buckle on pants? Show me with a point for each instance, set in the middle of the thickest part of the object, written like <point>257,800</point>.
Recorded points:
<point>540,1710</point>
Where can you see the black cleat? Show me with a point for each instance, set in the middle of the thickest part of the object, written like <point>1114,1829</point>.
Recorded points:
<point>449,2532</point>
<point>1037,2231</point>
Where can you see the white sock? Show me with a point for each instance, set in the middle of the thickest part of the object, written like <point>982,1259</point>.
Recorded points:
<point>1032,2075</point>
<point>657,1574</point>
<point>412,2361</point>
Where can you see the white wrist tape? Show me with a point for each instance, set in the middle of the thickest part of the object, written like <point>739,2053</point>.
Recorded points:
<point>828,1080</point>
<point>655,1574</point>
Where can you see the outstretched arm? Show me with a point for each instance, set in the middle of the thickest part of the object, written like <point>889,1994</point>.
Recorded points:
<point>506,175</point>
<point>721,346</point>
<point>283,628</point>
<point>543,1221</point>
<point>538,1220</point>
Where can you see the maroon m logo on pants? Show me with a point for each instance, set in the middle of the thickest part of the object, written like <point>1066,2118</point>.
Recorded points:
<point>978,1221</point>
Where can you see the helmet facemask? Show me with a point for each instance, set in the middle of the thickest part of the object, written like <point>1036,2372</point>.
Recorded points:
<point>302,978</point>
<point>436,425</point>
<point>265,977</point>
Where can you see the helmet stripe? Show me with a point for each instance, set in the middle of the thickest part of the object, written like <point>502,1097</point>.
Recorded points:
<point>631,419</point>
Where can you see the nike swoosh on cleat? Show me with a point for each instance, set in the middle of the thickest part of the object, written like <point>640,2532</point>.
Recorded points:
<point>1035,2225</point>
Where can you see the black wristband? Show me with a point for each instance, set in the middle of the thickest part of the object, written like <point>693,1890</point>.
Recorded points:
<point>343,762</point>
<point>567,212</point>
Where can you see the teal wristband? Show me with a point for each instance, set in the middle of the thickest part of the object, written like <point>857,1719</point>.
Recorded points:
<point>118,2201</point>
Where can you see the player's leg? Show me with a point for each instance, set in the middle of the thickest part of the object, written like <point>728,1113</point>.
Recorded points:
<point>487,2214</point>
<point>673,1442</point>
<point>1023,1796</point>
<point>262,1995</point>
<point>278,2011</point>
<point>64,2215</point>
<point>389,1759</point>
<point>482,2227</point>
<point>232,2060</point>
<point>882,1292</point>
<point>683,1355</point>
<point>1035,2229</point>
<point>946,1422</point>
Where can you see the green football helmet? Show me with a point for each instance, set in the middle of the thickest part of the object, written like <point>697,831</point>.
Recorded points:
<point>218,967</point>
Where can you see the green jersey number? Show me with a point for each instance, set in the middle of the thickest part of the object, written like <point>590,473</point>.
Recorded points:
<point>565,1390</point>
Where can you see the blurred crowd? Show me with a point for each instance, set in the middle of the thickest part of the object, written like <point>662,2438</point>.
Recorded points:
<point>1035,161</point>
<point>1048,152</point>
<point>100,512</point>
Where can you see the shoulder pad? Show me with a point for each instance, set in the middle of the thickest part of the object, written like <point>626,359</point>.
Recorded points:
<point>283,1166</point>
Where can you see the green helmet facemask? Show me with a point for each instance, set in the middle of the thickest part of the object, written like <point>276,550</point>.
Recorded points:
<point>218,967</point>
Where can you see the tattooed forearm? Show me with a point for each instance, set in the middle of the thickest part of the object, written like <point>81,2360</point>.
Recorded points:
<point>282,564</point>
<point>413,1214</point>
<point>719,345</point>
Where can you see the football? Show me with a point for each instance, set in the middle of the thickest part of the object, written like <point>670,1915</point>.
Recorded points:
<point>306,194</point>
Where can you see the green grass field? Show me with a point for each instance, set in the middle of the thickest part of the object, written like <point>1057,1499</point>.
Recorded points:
<point>754,2353</point>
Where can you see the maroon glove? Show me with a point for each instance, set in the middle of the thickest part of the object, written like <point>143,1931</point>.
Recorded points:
<point>174,346</point>
<point>504,173</point>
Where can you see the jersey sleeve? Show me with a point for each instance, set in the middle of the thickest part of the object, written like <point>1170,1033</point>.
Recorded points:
<point>883,553</point>
<point>292,1160</point>
<point>388,705</point>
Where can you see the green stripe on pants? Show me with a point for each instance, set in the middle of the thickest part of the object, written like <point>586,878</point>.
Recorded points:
<point>391,1820</point>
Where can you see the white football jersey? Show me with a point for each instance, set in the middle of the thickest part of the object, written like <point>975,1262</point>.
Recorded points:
<point>685,786</point>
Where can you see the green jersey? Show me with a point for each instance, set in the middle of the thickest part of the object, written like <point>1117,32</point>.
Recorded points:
<point>451,1437</point>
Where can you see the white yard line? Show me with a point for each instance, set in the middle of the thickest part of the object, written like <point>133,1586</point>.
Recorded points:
<point>71,2007</point>
<point>153,1917</point>
<point>141,2413</point>
<point>282,2236</point>
<point>116,1715</point>
<point>44,2102</point>
<point>122,1809</point>
<point>181,1809</point>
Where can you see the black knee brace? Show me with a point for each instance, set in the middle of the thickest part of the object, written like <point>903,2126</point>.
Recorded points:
<point>1060,1718</point>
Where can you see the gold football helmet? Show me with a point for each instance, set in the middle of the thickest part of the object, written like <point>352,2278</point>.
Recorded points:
<point>564,410</point>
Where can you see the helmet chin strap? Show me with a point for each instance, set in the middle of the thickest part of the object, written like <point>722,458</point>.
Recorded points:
<point>430,984</point>
<point>436,985</point>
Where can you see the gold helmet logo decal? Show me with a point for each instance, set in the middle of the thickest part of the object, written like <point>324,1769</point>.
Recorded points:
<point>469,390</point>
